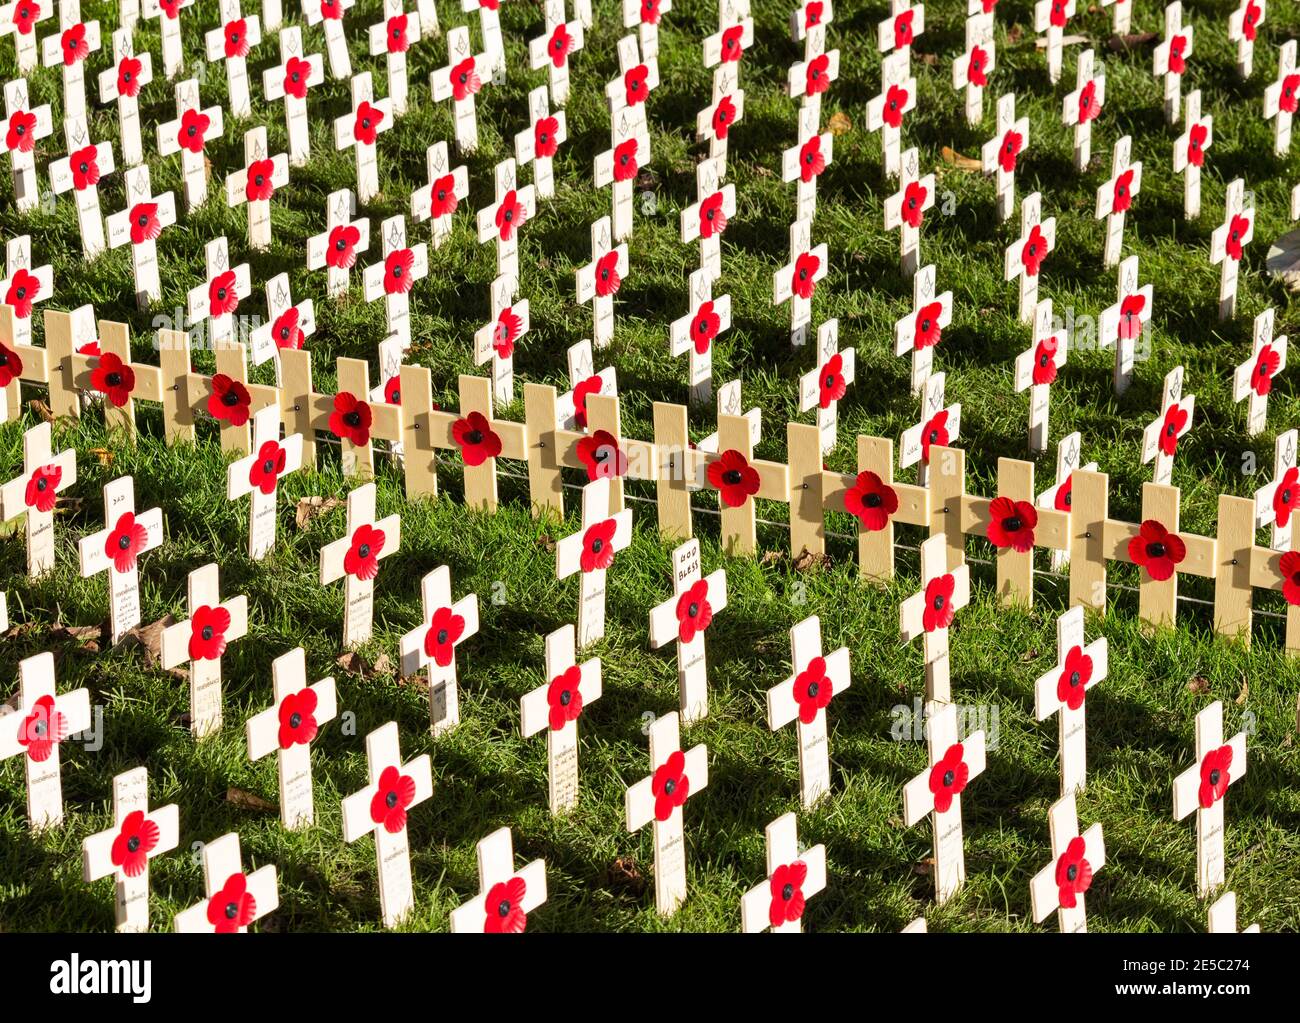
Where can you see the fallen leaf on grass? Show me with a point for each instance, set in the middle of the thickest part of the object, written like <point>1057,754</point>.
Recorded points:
<point>91,637</point>
<point>150,638</point>
<point>1015,34</point>
<point>771,558</point>
<point>41,409</point>
<point>1245,691</point>
<point>809,562</point>
<point>1119,44</point>
<point>68,505</point>
<point>839,124</point>
<point>354,664</point>
<point>1198,685</point>
<point>925,868</point>
<point>104,455</point>
<point>929,59</point>
<point>625,876</point>
<point>959,162</point>
<point>249,801</point>
<point>313,508</point>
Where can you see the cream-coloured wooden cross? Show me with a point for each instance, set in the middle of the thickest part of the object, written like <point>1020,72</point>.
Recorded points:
<point>1243,29</point>
<point>287,729</point>
<point>329,15</point>
<point>495,341</point>
<point>1170,58</point>
<point>905,209</point>
<point>116,548</point>
<point>644,16</point>
<point>939,425</point>
<point>290,80</point>
<point>553,47</point>
<point>460,82</point>
<point>505,896</point>
<point>706,219</point>
<point>19,18</point>
<point>809,78</point>
<point>685,617</point>
<point>1114,197</point>
<point>1202,788</point>
<point>896,33</point>
<point>109,377</point>
<point>36,729</point>
<point>598,282</point>
<point>735,34</point>
<point>200,641</point>
<point>258,475</point>
<point>936,791</point>
<point>822,387</point>
<point>70,48</point>
<point>500,221</point>
<point>804,162</point>
<point>1161,436</point>
<point>1025,255</point>
<point>272,15</point>
<point>433,644</point>
<point>1051,17</point>
<point>22,287</point>
<point>25,126</point>
<point>1063,689</point>
<point>638,76</point>
<point>234,899</point>
<point>381,809</point>
<point>216,300</point>
<point>489,21</point>
<point>973,65</point>
<point>79,172</point>
<point>793,877</point>
<point>1083,106</point>
<point>355,559</point>
<point>35,493</point>
<point>337,246</point>
<point>122,82</point>
<point>1254,377</point>
<point>591,551</point>
<point>1076,858</point>
<point>1276,501</point>
<point>395,33</point>
<point>168,13</point>
<point>1222,916</point>
<point>619,166</point>
<point>803,697</point>
<point>255,183</point>
<point>885,111</point>
<point>1002,152</point>
<point>930,612</point>
<point>1036,369</point>
<point>922,329</point>
<point>287,325</point>
<point>1124,322</point>
<point>124,850</point>
<point>231,42</point>
<point>658,799</point>
<point>572,408</point>
<point>1281,97</point>
<point>19,362</point>
<point>796,282</point>
<point>538,143</point>
<point>359,130</point>
<point>1121,17</point>
<point>1060,495</point>
<point>556,706</point>
<point>1189,153</point>
<point>393,279</point>
<point>693,334</point>
<point>741,479</point>
<point>1228,242</point>
<point>727,107</point>
<point>437,200</point>
<point>189,134</point>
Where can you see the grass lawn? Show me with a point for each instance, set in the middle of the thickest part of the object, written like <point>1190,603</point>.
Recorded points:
<point>485,774</point>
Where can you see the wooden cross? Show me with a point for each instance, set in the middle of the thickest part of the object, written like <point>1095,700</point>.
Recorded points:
<point>231,43</point>
<point>715,121</point>
<point>1062,691</point>
<point>675,777</point>
<point>287,729</point>
<point>433,644</point>
<point>1223,916</point>
<point>1161,436</point>
<point>1116,195</point>
<point>1001,152</point>
<point>796,282</point>
<point>939,425</point>
<point>1059,496</point>
<point>1121,324</point>
<point>489,20</point>
<point>24,286</point>
<point>885,112</point>
<point>1082,106</point>
<point>20,17</point>
<point>619,165</point>
<point>685,617</point>
<point>1122,17</point>
<point>793,877</point>
<point>1036,369</point>
<point>1243,28</point>
<point>644,15</point>
<point>591,552</point>
<point>354,415</point>
<point>1202,788</point>
<point>805,161</point>
<point>1189,153</point>
<point>216,300</point>
<point>189,135</point>
<point>35,494</point>
<point>254,185</point>
<point>79,172</point>
<point>122,82</point>
<point>740,478</point>
<point>598,281</point>
<point>552,48</point>
<point>812,76</point>
<point>972,67</point>
<point>39,725</point>
<point>287,325</point>
<point>124,850</point>
<point>538,143</point>
<point>234,899</point>
<point>381,809</point>
<point>1281,97</point>
<point>706,219</point>
<point>70,48</point>
<point>290,80</point>
<point>694,333</point>
<point>921,330</point>
<point>500,222</point>
<point>496,340</point>
<point>929,613</point>
<point>823,387</point>
<point>115,549</point>
<point>876,501</point>
<point>1051,16</point>
<point>556,706</point>
<point>355,559</point>
<point>201,642</point>
<point>804,697</point>
<point>628,92</point>
<point>393,35</point>
<point>896,33</point>
<point>359,130</point>
<point>66,334</point>
<point>329,14</point>
<point>25,126</point>
<point>258,475</point>
<point>505,897</point>
<point>393,279</point>
<point>1228,241</point>
<point>337,246</point>
<point>807,16</point>
<point>573,410</point>
<point>460,82</point>
<point>1254,377</point>
<point>734,36</point>
<point>438,200</point>
<point>1076,858</point>
<point>937,790</point>
<point>1276,500</point>
<point>1025,255</point>
<point>905,209</point>
<point>272,15</point>
<point>1170,59</point>
<point>168,13</point>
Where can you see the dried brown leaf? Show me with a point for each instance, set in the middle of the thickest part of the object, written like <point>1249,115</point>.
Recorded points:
<point>313,508</point>
<point>1198,685</point>
<point>149,637</point>
<point>249,801</point>
<point>1245,692</point>
<point>354,664</point>
<point>104,455</point>
<point>41,409</point>
<point>625,876</point>
<point>839,124</point>
<point>960,162</point>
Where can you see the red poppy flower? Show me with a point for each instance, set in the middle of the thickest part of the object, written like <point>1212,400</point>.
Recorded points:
<point>23,290</point>
<point>581,391</point>
<point>935,432</point>
<point>803,281</point>
<point>1089,108</point>
<point>194,125</point>
<point>601,456</point>
<point>340,253</point>
<point>286,331</point>
<point>351,419</point>
<point>694,612</point>
<point>564,698</point>
<point>559,45</point>
<point>989,5</point>
<point>1261,377</point>
<point>913,208</point>
<point>74,45</point>
<point>1123,198</point>
<point>733,44</point>
<point>298,718</point>
<point>237,38</point>
<point>397,272</point>
<point>598,546</point>
<point>490,5</point>
<point>510,214</point>
<point>1065,495</point>
<point>25,15</point>
<point>222,297</point>
<point>1073,873</point>
<point>445,629</point>
<point>144,223</point>
<point>84,164</point>
<point>265,471</point>
<point>939,612</point>
<point>233,907</point>
<point>704,327</point>
<point>813,690</point>
<point>903,29</point>
<point>477,441</point>
<point>90,348</point>
<point>724,115</point>
<point>1157,550</point>
<point>786,885</point>
<point>442,197</point>
<point>1177,64</point>
<point>1012,523</point>
<point>43,729</point>
<point>366,126</point>
<point>650,12</point>
<point>113,378</point>
<point>128,77</point>
<point>465,81</point>
<point>208,633</point>
<point>817,75</point>
<point>895,101</point>
<point>1214,775</point>
<point>1034,252</point>
<point>1289,564</point>
<point>1285,496</point>
<point>134,841</point>
<point>670,786</point>
<point>260,186</point>
<point>830,381</point>
<point>1175,421</point>
<point>713,219</point>
<point>362,558</point>
<point>1071,687</point>
<point>812,14</point>
<point>1057,14</point>
<point>393,391</point>
<point>625,165</point>
<point>171,8</point>
<point>42,486</point>
<point>734,478</point>
<point>21,135</point>
<point>1044,371</point>
<point>229,400</point>
<point>927,331</point>
<point>1196,144</point>
<point>1130,316</point>
<point>297,73</point>
<point>508,327</point>
<point>395,34</point>
<point>545,143</point>
<point>125,541</point>
<point>1236,233</point>
<point>948,777</point>
<point>635,85</point>
<point>503,909</point>
<point>1012,141</point>
<point>811,160</point>
<point>979,59</point>
<point>872,500</point>
<point>1250,20</point>
<point>607,278</point>
<point>11,366</point>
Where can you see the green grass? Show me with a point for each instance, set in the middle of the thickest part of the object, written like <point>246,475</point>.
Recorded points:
<point>486,776</point>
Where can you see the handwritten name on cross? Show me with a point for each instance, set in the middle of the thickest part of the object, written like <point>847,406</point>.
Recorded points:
<point>1203,786</point>
<point>556,706</point>
<point>685,617</point>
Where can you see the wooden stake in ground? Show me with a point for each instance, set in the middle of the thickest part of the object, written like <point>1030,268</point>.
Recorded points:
<point>591,552</point>
<point>557,706</point>
<point>905,210</point>
<point>823,387</point>
<point>1202,788</point>
<point>234,899</point>
<point>972,67</point>
<point>329,14</point>
<point>287,728</point>
<point>1223,916</point>
<point>1160,438</point>
<point>355,559</point>
<point>437,201</point>
<point>168,14</point>
<point>505,897</point>
<point>685,617</point>
<point>1025,255</point>
<point>1124,322</point>
<point>500,222</point>
<point>805,161</point>
<point>1243,29</point>
<point>885,112</point>
<point>433,644</point>
<point>1036,371</point>
<point>1228,242</point>
<point>1063,690</point>
<point>930,612</point>
<point>258,476</point>
<point>26,125</point>
<point>337,246</point>
<point>551,50</point>
<point>460,81</point>
<point>124,850</point>
<point>1076,858</point>
<point>1254,377</point>
<point>35,493</point>
<point>122,82</point>
<point>290,80</point>
<point>79,172</point>
<point>1052,16</point>
<point>1114,197</point>
<point>1059,496</point>
<point>540,141</point>
<point>392,36</point>
<point>1189,153</point>
<point>359,131</point>
<point>792,878</point>
<point>1082,106</point>
<point>189,135</point>
<point>231,43</point>
<point>115,549</point>
<point>254,185</point>
<point>1170,59</point>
